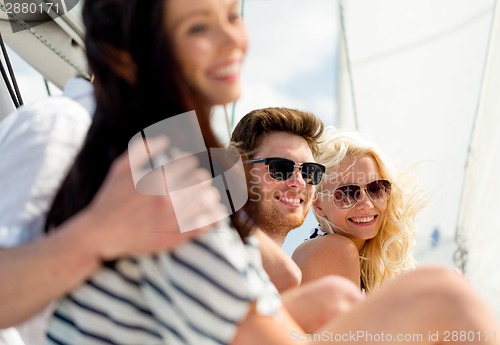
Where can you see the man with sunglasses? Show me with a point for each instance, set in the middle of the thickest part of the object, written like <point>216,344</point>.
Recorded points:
<point>279,144</point>
<point>427,299</point>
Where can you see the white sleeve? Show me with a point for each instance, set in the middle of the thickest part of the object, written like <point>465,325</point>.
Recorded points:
<point>37,146</point>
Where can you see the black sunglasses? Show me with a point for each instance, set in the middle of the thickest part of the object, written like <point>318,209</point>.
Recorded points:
<point>347,196</point>
<point>282,169</point>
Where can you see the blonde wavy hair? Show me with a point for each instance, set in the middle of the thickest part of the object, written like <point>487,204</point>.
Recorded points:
<point>390,252</point>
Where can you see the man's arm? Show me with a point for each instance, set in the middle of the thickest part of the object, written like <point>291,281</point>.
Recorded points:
<point>282,270</point>
<point>34,274</point>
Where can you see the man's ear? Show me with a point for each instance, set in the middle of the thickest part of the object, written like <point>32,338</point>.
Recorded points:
<point>317,204</point>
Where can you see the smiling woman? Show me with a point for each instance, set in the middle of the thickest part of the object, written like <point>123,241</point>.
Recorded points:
<point>175,296</point>
<point>367,211</point>
<point>210,70</point>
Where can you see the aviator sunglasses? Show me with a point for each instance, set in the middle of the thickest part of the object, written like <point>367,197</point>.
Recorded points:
<point>282,169</point>
<point>347,196</point>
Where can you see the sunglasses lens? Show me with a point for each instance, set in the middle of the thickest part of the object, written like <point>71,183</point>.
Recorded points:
<point>346,196</point>
<point>312,173</point>
<point>281,169</point>
<point>379,191</point>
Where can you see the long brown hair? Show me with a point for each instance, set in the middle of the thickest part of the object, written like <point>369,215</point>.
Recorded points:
<point>137,83</point>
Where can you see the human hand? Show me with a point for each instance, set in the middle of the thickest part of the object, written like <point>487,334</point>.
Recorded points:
<point>315,303</point>
<point>123,221</point>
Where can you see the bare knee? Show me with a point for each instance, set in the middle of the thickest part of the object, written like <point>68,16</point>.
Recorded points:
<point>437,297</point>
<point>437,289</point>
<point>333,294</point>
<point>318,302</point>
<point>438,280</point>
<point>337,293</point>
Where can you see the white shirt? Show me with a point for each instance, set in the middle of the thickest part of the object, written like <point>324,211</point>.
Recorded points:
<point>38,143</point>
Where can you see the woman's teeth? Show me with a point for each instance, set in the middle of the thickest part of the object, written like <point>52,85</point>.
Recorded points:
<point>226,71</point>
<point>363,219</point>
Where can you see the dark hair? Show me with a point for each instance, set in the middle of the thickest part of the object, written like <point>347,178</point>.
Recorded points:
<point>137,83</point>
<point>251,129</point>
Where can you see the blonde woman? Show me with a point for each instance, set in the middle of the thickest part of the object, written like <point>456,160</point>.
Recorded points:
<point>366,210</point>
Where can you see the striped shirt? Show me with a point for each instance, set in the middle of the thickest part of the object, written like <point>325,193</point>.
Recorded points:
<point>195,294</point>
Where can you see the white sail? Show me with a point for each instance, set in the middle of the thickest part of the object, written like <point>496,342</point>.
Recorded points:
<point>417,69</point>
<point>478,229</point>
<point>54,48</point>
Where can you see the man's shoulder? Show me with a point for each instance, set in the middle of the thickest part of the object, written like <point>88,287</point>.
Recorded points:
<point>37,144</point>
<point>53,107</point>
<point>50,115</point>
